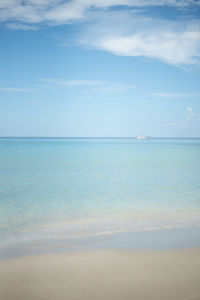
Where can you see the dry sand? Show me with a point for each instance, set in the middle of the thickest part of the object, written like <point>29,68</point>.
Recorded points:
<point>103,274</point>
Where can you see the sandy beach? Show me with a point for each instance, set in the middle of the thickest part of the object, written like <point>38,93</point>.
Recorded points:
<point>103,274</point>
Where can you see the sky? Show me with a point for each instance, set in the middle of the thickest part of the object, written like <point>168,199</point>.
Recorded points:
<point>100,68</point>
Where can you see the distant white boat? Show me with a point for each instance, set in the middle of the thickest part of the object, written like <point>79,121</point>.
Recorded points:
<point>142,137</point>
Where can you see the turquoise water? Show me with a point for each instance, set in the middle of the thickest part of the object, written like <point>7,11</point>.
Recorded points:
<point>54,189</point>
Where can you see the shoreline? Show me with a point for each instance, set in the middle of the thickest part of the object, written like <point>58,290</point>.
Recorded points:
<point>148,265</point>
<point>103,274</point>
<point>162,239</point>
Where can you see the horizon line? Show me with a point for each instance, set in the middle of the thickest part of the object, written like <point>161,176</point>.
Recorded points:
<point>101,137</point>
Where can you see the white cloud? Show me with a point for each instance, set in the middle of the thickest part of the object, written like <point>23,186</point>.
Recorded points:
<point>176,42</point>
<point>172,47</point>
<point>59,11</point>
<point>122,32</point>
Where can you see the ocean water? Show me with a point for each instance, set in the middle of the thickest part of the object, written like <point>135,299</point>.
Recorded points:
<point>56,191</point>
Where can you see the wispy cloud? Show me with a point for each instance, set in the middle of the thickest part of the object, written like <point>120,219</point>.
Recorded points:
<point>190,118</point>
<point>17,26</point>
<point>91,85</point>
<point>77,83</point>
<point>125,32</point>
<point>122,33</point>
<point>59,11</point>
<point>14,89</point>
<point>72,83</point>
<point>175,95</point>
<point>113,88</point>
<point>170,47</point>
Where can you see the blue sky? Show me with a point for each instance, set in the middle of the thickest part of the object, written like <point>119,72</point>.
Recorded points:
<point>100,68</point>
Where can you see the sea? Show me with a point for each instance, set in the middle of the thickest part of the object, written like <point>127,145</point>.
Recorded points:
<point>56,192</point>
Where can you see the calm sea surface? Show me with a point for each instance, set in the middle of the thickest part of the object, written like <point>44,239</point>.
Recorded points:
<point>70,188</point>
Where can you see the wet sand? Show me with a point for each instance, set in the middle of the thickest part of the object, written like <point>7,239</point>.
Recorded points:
<point>103,274</point>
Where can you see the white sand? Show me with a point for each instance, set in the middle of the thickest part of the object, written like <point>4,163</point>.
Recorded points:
<point>103,274</point>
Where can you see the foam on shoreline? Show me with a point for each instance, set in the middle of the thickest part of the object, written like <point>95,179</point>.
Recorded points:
<point>165,239</point>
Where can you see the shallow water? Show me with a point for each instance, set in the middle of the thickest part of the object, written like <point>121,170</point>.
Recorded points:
<point>53,189</point>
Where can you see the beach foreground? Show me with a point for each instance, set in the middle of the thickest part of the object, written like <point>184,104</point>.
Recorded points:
<point>103,274</point>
